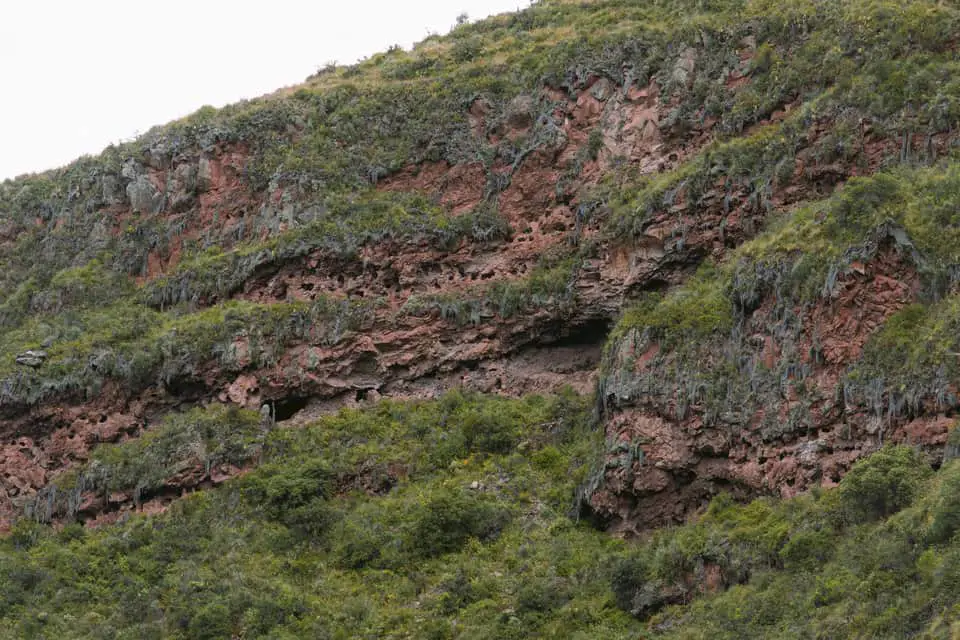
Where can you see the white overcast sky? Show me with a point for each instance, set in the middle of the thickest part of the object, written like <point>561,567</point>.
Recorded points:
<point>77,76</point>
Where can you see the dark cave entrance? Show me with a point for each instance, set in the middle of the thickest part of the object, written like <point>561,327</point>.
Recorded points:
<point>286,408</point>
<point>593,332</point>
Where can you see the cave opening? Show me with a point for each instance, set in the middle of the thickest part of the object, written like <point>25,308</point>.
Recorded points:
<point>186,388</point>
<point>286,408</point>
<point>591,333</point>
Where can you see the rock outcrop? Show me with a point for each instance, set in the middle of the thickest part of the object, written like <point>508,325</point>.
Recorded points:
<point>335,244</point>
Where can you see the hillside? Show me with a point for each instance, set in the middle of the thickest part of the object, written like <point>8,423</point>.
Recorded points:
<point>598,319</point>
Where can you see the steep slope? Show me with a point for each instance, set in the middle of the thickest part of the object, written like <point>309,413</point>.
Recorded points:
<point>434,219</point>
<point>819,340</point>
<point>731,222</point>
<point>449,518</point>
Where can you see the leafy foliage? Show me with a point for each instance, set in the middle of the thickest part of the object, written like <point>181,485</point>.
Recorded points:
<point>802,567</point>
<point>328,537</point>
<point>344,528</point>
<point>883,484</point>
<point>449,518</point>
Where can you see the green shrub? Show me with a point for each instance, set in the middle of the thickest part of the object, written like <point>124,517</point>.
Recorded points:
<point>630,575</point>
<point>458,591</point>
<point>808,550</point>
<point>542,595</point>
<point>450,517</point>
<point>946,505</point>
<point>295,496</point>
<point>367,537</point>
<point>466,49</point>
<point>212,621</point>
<point>883,483</point>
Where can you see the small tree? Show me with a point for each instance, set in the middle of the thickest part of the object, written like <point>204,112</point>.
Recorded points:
<point>882,484</point>
<point>946,510</point>
<point>450,517</point>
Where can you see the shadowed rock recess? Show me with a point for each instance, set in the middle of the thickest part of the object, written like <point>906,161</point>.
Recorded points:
<point>597,319</point>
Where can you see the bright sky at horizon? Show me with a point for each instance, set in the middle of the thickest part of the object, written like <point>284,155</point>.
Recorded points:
<point>80,76</point>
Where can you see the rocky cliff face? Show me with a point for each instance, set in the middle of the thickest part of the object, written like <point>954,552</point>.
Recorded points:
<point>772,409</point>
<point>481,213</point>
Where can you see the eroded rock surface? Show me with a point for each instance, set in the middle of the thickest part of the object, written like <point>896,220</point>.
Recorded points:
<point>667,453</point>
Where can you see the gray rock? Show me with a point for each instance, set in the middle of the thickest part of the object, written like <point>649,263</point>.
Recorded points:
<point>268,417</point>
<point>112,190</point>
<point>143,196</point>
<point>32,358</point>
<point>204,174</point>
<point>685,66</point>
<point>520,112</point>
<point>182,186</point>
<point>809,452</point>
<point>130,170</point>
<point>158,156</point>
<point>602,89</point>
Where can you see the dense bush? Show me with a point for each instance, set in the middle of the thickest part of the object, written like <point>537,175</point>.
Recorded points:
<point>294,496</point>
<point>883,484</point>
<point>804,567</point>
<point>483,547</point>
<point>449,518</point>
<point>946,499</point>
<point>309,544</point>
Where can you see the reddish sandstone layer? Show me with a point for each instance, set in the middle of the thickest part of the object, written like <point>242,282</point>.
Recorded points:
<point>400,354</point>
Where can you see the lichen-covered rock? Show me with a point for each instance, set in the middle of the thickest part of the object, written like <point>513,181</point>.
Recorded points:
<point>32,358</point>
<point>144,197</point>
